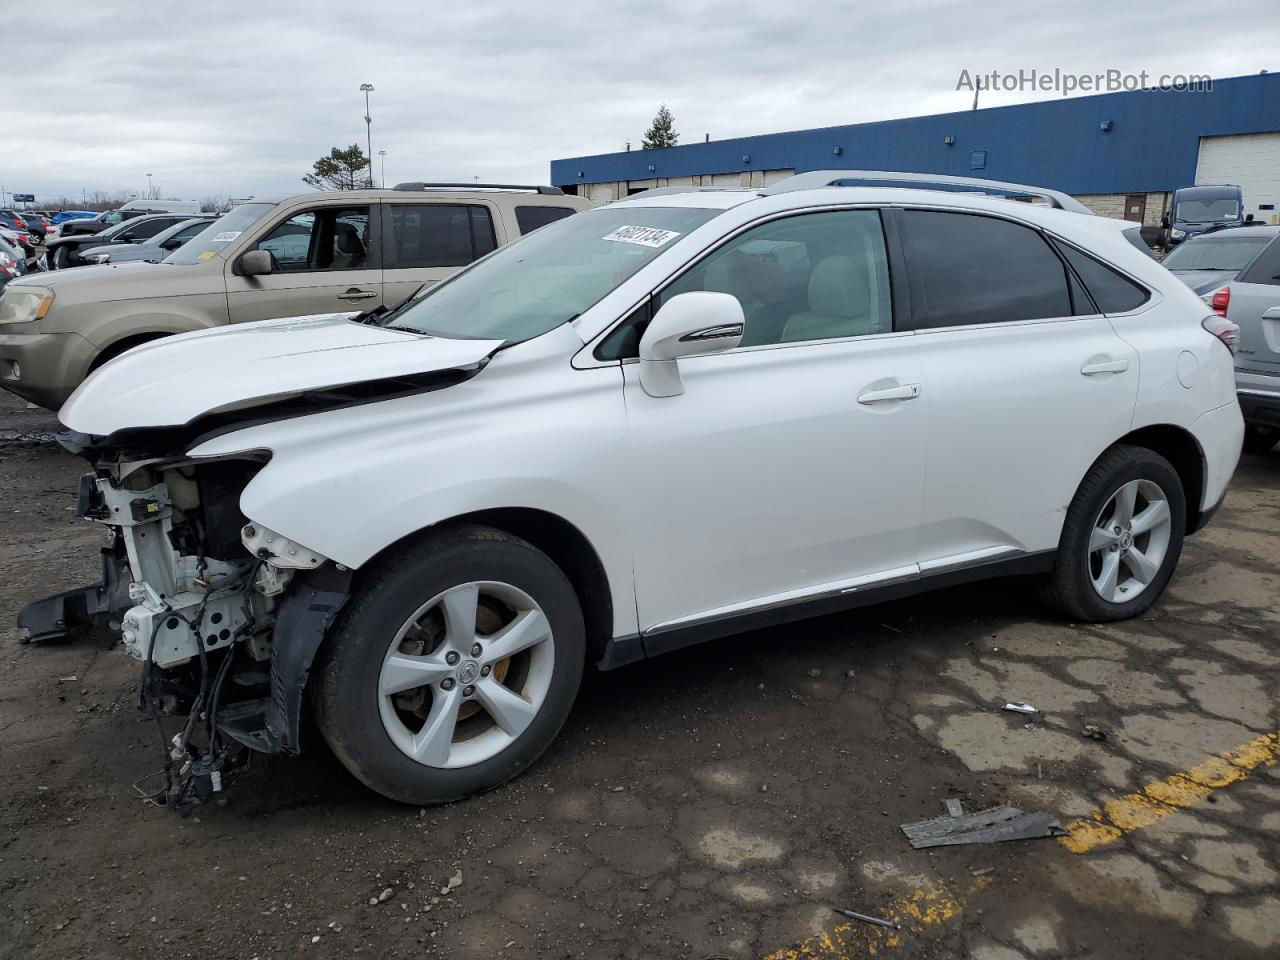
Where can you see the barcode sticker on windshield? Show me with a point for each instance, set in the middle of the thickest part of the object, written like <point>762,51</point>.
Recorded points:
<point>644,236</point>
<point>226,236</point>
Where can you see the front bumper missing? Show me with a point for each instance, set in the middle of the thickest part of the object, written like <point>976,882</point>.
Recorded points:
<point>92,611</point>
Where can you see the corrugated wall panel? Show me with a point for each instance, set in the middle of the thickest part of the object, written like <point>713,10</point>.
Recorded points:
<point>1152,145</point>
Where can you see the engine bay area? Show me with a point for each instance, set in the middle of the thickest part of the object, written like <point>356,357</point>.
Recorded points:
<point>195,593</point>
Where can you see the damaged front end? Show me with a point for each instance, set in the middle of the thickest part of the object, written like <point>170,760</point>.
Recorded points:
<point>224,616</point>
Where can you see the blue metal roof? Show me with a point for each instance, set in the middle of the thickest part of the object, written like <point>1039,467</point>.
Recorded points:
<point>1152,143</point>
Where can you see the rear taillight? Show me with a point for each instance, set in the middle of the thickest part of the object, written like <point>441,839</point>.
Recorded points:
<point>1223,329</point>
<point>1220,300</point>
<point>20,224</point>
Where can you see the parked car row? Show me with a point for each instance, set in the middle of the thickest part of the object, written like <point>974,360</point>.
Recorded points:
<point>638,427</point>
<point>109,245</point>
<point>96,223</point>
<point>308,254</point>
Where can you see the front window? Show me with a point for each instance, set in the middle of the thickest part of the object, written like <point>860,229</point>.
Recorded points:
<point>1204,211</point>
<point>327,238</point>
<point>548,277</point>
<point>219,233</point>
<point>1218,253</point>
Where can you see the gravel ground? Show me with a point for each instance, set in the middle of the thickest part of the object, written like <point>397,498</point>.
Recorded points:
<point>713,802</point>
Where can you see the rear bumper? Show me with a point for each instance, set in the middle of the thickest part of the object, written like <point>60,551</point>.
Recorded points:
<point>1259,395</point>
<point>1220,433</point>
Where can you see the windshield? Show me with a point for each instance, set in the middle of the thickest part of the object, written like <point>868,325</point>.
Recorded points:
<point>210,241</point>
<point>120,227</point>
<point>1216,253</point>
<point>549,276</point>
<point>1202,211</point>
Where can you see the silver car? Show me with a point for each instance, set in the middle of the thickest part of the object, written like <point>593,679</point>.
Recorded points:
<point>1252,301</point>
<point>153,248</point>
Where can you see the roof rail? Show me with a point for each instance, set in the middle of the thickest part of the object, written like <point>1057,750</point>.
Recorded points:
<point>665,191</point>
<point>924,181</point>
<point>420,185</point>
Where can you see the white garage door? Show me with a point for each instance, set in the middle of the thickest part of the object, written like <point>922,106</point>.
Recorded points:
<point>1251,160</point>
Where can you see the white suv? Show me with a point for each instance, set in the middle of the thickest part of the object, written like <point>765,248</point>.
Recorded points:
<point>663,420</point>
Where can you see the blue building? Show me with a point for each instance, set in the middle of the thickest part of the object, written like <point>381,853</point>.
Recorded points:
<point>1119,153</point>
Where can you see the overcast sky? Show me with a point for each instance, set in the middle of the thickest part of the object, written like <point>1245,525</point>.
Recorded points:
<point>240,98</point>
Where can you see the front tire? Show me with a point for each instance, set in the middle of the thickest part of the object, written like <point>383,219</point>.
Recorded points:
<point>453,666</point>
<point>1122,537</point>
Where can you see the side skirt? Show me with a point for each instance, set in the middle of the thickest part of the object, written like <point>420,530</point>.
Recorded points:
<point>623,650</point>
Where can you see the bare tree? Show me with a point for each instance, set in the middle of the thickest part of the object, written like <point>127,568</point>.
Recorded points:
<point>215,203</point>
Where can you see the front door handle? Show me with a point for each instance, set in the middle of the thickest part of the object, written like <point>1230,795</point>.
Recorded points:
<point>1104,366</point>
<point>356,294</point>
<point>1273,313</point>
<point>907,391</point>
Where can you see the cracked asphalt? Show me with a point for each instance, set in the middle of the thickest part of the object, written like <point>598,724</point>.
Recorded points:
<point>715,802</point>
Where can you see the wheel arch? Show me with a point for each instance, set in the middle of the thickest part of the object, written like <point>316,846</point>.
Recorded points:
<point>114,348</point>
<point>566,545</point>
<point>1180,447</point>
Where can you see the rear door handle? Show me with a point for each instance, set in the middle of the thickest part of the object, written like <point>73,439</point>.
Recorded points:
<point>1104,366</point>
<point>907,391</point>
<point>354,294</point>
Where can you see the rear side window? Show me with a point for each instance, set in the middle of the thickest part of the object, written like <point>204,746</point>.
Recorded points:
<point>531,218</point>
<point>1266,269</point>
<point>973,269</point>
<point>439,235</point>
<point>149,228</point>
<point>1112,292</point>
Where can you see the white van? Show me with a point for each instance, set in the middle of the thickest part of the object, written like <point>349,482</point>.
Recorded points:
<point>163,206</point>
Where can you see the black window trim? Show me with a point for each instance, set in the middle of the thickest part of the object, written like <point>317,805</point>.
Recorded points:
<point>388,228</point>
<point>1058,241</point>
<point>899,296</point>
<point>916,280</point>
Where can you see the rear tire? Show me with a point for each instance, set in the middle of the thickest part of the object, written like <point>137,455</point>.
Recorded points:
<point>1121,539</point>
<point>1260,439</point>
<point>413,692</point>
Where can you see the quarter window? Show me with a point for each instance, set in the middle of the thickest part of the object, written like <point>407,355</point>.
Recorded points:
<point>531,218</point>
<point>1112,292</point>
<point>974,269</point>
<point>440,235</point>
<point>808,277</point>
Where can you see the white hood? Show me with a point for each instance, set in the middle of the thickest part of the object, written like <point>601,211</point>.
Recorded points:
<point>172,381</point>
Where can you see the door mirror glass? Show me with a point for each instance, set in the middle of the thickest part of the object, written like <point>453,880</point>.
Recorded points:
<point>256,263</point>
<point>687,325</point>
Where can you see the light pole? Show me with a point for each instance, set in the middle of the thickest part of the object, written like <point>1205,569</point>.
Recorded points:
<point>149,196</point>
<point>366,89</point>
<point>383,155</point>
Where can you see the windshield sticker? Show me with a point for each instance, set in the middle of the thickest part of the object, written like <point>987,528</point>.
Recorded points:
<point>644,236</point>
<point>206,255</point>
<point>226,236</point>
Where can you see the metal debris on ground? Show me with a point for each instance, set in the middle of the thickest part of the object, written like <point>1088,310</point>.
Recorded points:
<point>878,921</point>
<point>954,807</point>
<point>1017,707</point>
<point>995,825</point>
<point>1094,732</point>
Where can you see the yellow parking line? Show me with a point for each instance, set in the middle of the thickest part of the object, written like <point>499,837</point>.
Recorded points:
<point>1157,800</point>
<point>915,912</point>
<point>923,909</point>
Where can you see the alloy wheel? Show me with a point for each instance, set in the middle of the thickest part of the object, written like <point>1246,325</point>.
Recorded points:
<point>466,674</point>
<point>1129,541</point>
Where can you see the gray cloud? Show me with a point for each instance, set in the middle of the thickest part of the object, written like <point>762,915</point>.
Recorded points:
<point>240,98</point>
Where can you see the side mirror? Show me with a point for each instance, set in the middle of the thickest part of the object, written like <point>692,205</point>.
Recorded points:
<point>1164,222</point>
<point>173,243</point>
<point>687,325</point>
<point>256,263</point>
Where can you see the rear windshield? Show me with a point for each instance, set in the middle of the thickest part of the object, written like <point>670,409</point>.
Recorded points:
<point>549,276</point>
<point>228,227</point>
<point>1202,211</point>
<point>1215,253</point>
